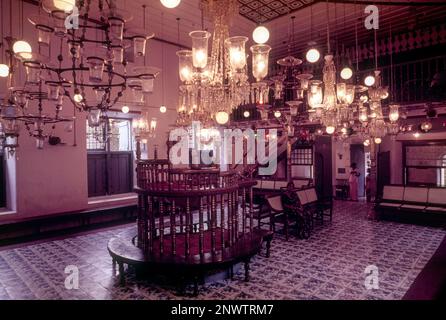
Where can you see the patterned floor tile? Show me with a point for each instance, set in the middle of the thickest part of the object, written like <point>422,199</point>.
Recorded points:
<point>329,265</point>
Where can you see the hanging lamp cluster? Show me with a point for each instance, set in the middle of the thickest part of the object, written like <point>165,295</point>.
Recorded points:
<point>97,53</point>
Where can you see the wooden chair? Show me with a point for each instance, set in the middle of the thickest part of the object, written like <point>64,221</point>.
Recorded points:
<point>278,214</point>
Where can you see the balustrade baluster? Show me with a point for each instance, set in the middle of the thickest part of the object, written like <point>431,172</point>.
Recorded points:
<point>173,228</point>
<point>213,225</point>
<point>161,225</point>
<point>222,220</point>
<point>201,227</point>
<point>188,227</point>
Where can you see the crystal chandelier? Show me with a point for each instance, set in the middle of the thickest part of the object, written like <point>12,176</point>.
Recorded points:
<point>213,86</point>
<point>94,42</point>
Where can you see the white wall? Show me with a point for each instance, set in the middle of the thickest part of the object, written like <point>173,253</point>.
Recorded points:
<point>54,180</point>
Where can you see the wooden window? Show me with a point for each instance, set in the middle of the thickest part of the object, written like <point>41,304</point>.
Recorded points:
<point>302,157</point>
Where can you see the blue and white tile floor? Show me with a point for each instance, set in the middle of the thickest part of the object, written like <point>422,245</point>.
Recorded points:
<point>329,265</point>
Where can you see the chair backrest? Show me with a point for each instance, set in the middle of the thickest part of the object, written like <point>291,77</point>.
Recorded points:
<point>275,203</point>
<point>299,184</point>
<point>280,184</point>
<point>437,196</point>
<point>412,194</point>
<point>302,197</point>
<point>394,193</point>
<point>311,195</point>
<point>268,184</point>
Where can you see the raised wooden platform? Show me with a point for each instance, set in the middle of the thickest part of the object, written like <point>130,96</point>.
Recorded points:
<point>186,268</point>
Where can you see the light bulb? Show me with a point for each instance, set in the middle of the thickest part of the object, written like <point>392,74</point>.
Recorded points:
<point>313,55</point>
<point>330,129</point>
<point>125,109</point>
<point>170,3</point>
<point>260,35</point>
<point>4,70</point>
<point>144,141</point>
<point>21,46</point>
<point>222,117</point>
<point>378,140</point>
<point>78,98</point>
<point>260,66</point>
<point>364,99</point>
<point>200,56</point>
<point>369,81</point>
<point>346,73</point>
<point>246,114</point>
<point>367,142</point>
<point>186,73</point>
<point>344,130</point>
<point>277,114</point>
<point>65,5</point>
<point>416,134</point>
<point>163,109</point>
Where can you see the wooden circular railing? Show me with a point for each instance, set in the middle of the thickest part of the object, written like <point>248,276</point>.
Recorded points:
<point>193,216</point>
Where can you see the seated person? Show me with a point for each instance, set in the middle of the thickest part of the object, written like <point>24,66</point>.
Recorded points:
<point>291,207</point>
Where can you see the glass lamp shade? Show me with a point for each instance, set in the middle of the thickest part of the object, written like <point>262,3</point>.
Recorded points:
<point>304,79</point>
<point>185,65</point>
<point>44,28</point>
<point>118,53</point>
<point>33,72</point>
<point>99,94</point>
<point>96,68</point>
<point>53,91</point>
<point>237,52</point>
<point>299,94</point>
<point>294,107</point>
<point>74,48</point>
<point>147,84</point>
<point>116,28</point>
<point>349,94</point>
<point>375,105</point>
<point>137,93</point>
<point>341,92</point>
<point>140,43</point>
<point>94,118</point>
<point>394,114</point>
<point>260,60</point>
<point>315,94</point>
<point>20,96</point>
<point>153,124</point>
<point>200,41</point>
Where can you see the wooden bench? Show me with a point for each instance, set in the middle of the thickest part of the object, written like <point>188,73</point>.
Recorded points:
<point>411,201</point>
<point>312,203</point>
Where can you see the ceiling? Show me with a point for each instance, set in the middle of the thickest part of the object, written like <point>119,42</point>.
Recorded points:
<point>311,17</point>
<point>310,23</point>
<point>261,11</point>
